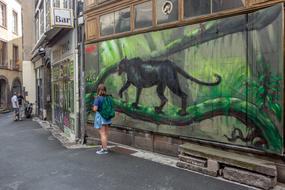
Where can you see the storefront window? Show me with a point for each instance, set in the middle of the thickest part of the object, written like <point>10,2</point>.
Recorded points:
<point>166,11</point>
<point>143,15</point>
<point>107,24</point>
<point>193,8</point>
<point>122,21</point>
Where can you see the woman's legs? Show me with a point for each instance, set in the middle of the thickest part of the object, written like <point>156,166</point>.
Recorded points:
<point>104,136</point>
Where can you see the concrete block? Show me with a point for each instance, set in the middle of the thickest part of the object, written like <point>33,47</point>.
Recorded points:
<point>281,172</point>
<point>143,140</point>
<point>213,165</point>
<point>194,161</point>
<point>120,136</point>
<point>165,145</point>
<point>249,178</point>
<point>199,169</point>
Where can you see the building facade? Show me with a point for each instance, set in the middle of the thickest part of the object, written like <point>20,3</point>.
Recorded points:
<point>207,72</point>
<point>10,50</point>
<point>55,58</point>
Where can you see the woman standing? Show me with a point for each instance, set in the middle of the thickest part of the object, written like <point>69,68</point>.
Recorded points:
<point>102,124</point>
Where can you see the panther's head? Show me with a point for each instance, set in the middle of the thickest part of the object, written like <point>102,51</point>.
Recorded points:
<point>122,65</point>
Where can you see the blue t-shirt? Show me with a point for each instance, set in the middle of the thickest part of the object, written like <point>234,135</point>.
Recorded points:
<point>98,102</point>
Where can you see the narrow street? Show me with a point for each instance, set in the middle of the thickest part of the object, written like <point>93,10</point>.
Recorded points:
<point>32,159</point>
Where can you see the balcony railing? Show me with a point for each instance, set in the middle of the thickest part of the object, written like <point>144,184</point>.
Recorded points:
<point>4,65</point>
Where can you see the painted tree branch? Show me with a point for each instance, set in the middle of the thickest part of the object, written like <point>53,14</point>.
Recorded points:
<point>247,113</point>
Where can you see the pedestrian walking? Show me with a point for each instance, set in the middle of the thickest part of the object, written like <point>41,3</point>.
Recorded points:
<point>103,107</point>
<point>21,105</point>
<point>15,105</point>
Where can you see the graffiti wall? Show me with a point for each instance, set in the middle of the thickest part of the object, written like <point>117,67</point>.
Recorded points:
<point>219,81</point>
<point>63,94</point>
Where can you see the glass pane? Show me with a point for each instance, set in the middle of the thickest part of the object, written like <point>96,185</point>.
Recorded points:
<point>56,3</point>
<point>15,22</point>
<point>2,14</point>
<point>143,15</point>
<point>47,14</point>
<point>67,4</point>
<point>167,11</point>
<point>107,24</point>
<point>42,17</point>
<point>220,5</point>
<point>122,21</point>
<point>37,28</point>
<point>193,8</point>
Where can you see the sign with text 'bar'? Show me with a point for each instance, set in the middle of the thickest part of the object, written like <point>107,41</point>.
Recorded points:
<point>62,18</point>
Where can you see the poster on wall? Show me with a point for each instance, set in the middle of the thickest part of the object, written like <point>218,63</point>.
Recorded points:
<point>219,81</point>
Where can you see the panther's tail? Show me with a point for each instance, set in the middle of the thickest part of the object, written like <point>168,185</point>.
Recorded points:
<point>186,75</point>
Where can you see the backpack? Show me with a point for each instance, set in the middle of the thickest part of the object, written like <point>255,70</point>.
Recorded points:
<point>107,110</point>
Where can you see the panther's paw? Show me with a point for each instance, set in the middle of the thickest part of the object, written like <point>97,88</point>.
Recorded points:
<point>135,105</point>
<point>158,109</point>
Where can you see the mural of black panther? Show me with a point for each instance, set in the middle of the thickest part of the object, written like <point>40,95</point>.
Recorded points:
<point>145,74</point>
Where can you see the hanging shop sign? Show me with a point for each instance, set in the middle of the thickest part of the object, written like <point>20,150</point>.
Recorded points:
<point>62,18</point>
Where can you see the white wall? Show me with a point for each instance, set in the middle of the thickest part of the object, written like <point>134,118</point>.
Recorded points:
<point>29,79</point>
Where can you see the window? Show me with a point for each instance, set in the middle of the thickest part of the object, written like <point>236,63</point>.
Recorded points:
<point>193,8</point>
<point>56,3</point>
<point>122,21</point>
<point>166,11</point>
<point>67,4</point>
<point>3,18</point>
<point>116,22</point>
<point>42,20</point>
<point>15,22</point>
<point>15,56</point>
<point>143,15</point>
<point>220,5</point>
<point>37,27</point>
<point>48,7</point>
<point>3,53</point>
<point>107,24</point>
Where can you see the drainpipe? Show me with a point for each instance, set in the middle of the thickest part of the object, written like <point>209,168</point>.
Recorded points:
<point>81,31</point>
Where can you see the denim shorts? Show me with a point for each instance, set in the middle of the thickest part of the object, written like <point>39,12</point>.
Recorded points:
<point>99,121</point>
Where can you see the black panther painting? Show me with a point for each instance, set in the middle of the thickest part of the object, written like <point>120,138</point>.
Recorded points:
<point>145,74</point>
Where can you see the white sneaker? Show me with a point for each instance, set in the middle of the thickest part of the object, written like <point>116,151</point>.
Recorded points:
<point>102,151</point>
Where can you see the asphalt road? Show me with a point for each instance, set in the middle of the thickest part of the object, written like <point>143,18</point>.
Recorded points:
<point>32,159</point>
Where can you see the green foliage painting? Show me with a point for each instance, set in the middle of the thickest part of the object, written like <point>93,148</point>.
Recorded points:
<point>219,81</point>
